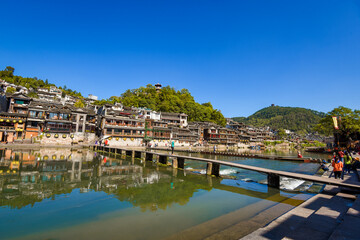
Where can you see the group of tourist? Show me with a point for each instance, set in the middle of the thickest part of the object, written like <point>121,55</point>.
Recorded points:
<point>106,143</point>
<point>343,163</point>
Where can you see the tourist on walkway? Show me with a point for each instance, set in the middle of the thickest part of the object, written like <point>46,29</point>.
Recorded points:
<point>347,161</point>
<point>341,155</point>
<point>323,166</point>
<point>172,147</point>
<point>338,167</point>
<point>355,164</point>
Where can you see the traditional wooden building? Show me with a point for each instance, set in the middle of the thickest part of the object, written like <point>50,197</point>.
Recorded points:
<point>156,130</point>
<point>13,117</point>
<point>36,118</point>
<point>184,135</point>
<point>174,119</point>
<point>120,125</point>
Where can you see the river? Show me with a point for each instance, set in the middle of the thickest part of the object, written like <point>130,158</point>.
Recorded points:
<point>79,194</point>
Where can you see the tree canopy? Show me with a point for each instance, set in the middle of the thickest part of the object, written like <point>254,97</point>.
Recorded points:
<point>10,90</point>
<point>300,120</point>
<point>79,104</point>
<point>168,100</point>
<point>31,83</point>
<point>348,123</point>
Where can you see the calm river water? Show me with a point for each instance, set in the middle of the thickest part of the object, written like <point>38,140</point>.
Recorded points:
<point>80,194</point>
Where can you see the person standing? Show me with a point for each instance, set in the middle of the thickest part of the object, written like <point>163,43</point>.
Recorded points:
<point>172,147</point>
<point>347,161</point>
<point>341,155</point>
<point>5,137</point>
<point>338,167</point>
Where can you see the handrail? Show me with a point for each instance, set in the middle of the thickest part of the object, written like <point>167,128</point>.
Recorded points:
<point>301,176</point>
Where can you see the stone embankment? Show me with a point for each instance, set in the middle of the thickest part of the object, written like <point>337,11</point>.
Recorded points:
<point>333,214</point>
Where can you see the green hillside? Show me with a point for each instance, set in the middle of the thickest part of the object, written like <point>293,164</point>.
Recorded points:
<point>300,120</point>
<point>168,100</point>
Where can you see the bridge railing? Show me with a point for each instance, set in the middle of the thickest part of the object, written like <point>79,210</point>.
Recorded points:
<point>213,166</point>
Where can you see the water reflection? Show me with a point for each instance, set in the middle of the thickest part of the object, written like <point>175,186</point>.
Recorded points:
<point>30,176</point>
<point>65,192</point>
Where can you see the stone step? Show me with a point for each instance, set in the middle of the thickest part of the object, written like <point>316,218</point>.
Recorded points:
<point>346,195</point>
<point>348,228</point>
<point>317,218</point>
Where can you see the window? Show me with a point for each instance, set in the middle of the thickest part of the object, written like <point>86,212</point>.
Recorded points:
<point>39,114</point>
<point>34,124</point>
<point>19,102</point>
<point>21,111</point>
<point>32,114</point>
<point>53,116</point>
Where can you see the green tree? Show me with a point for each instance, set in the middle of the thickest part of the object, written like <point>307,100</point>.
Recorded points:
<point>79,104</point>
<point>10,70</point>
<point>299,120</point>
<point>8,75</point>
<point>281,133</point>
<point>33,95</point>
<point>10,90</point>
<point>169,100</point>
<point>348,123</point>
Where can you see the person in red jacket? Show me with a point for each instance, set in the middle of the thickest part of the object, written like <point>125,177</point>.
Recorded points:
<point>338,167</point>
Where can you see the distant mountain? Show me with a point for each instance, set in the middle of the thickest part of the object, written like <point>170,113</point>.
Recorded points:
<point>300,120</point>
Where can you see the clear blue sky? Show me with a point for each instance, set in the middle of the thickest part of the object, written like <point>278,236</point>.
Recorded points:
<point>239,55</point>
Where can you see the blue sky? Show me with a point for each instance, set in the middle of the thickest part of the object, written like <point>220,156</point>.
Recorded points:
<point>239,55</point>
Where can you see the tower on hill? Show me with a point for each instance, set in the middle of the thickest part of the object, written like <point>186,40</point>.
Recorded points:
<point>158,87</point>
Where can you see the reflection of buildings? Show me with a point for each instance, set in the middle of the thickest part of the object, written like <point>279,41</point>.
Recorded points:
<point>43,174</point>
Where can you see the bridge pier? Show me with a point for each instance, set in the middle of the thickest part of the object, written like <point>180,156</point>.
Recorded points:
<point>175,172</point>
<point>118,151</point>
<point>128,153</point>
<point>273,180</point>
<point>148,156</point>
<point>178,162</point>
<point>213,169</point>
<point>163,159</point>
<point>138,154</point>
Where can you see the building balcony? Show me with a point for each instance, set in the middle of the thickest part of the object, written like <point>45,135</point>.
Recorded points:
<point>126,135</point>
<point>3,128</point>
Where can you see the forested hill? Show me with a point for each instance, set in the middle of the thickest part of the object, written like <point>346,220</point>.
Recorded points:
<point>168,100</point>
<point>300,120</point>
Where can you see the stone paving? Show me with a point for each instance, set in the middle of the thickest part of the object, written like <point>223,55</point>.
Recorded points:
<point>333,214</point>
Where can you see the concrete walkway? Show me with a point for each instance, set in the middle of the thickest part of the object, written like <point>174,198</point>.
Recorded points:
<point>333,214</point>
